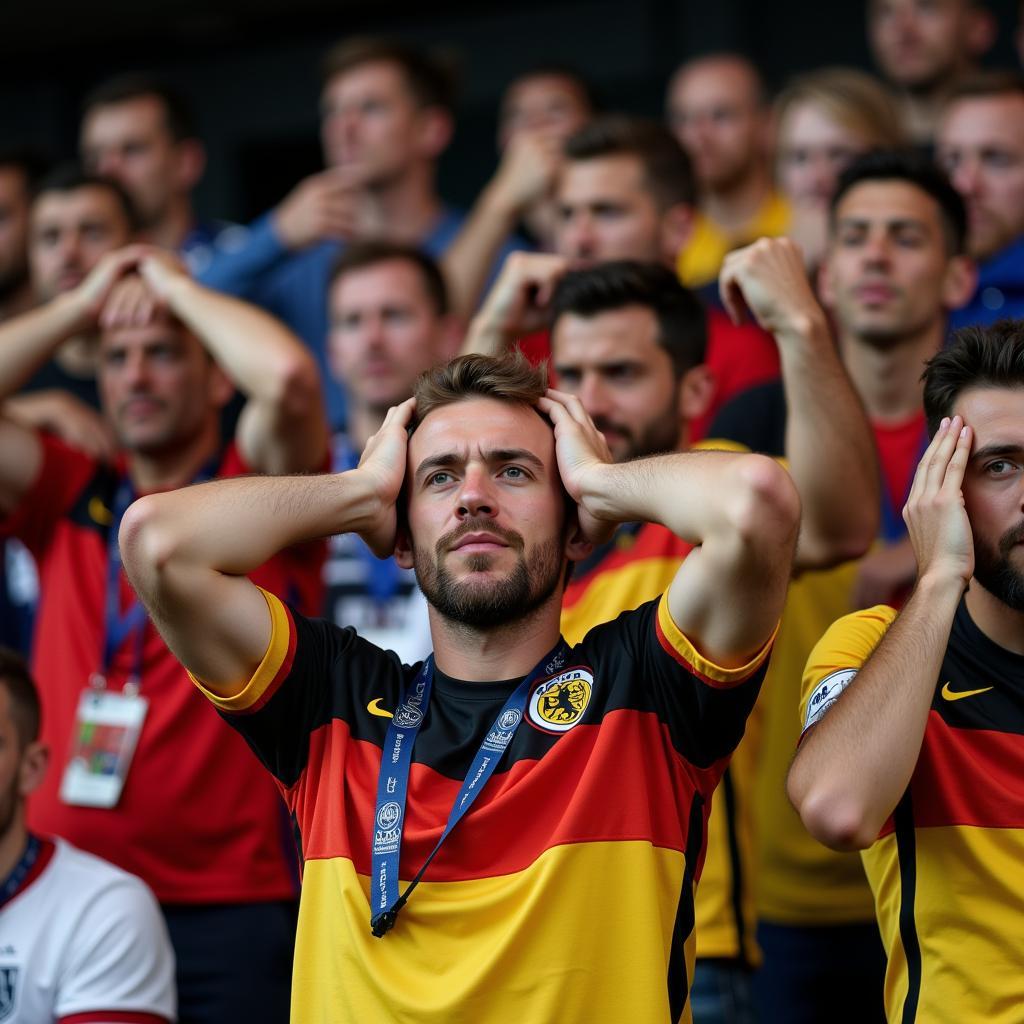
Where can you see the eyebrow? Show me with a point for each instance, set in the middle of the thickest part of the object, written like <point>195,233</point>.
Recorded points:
<point>894,222</point>
<point>991,451</point>
<point>446,460</point>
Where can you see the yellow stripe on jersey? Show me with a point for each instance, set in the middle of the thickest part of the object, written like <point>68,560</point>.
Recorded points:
<point>477,936</point>
<point>711,672</point>
<point>268,670</point>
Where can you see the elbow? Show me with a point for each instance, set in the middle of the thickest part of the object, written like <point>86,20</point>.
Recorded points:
<point>766,504</point>
<point>146,541</point>
<point>295,384</point>
<point>837,820</point>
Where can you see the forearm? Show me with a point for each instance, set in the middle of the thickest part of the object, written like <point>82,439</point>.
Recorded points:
<point>830,450</point>
<point>856,763</point>
<point>28,341</point>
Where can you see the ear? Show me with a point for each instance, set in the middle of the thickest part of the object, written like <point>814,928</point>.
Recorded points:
<point>959,283</point>
<point>577,547</point>
<point>33,765</point>
<point>403,548</point>
<point>434,131</point>
<point>696,392</point>
<point>191,164</point>
<point>676,228</point>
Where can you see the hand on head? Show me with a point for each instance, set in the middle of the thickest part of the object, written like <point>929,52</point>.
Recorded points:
<point>142,294</point>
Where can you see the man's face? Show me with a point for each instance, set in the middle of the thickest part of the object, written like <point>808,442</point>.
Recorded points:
<point>370,123</point>
<point>158,387</point>
<point>486,511</point>
<point>69,232</point>
<point>993,489</point>
<point>887,262</point>
<point>606,212</point>
<point>981,145</point>
<point>813,150</point>
<point>553,105</point>
<point>714,112</point>
<point>14,207</point>
<point>131,143</point>
<point>613,363</point>
<point>385,332</point>
<point>919,43</point>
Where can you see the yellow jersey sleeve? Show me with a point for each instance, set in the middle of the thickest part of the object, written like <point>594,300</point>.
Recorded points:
<point>837,658</point>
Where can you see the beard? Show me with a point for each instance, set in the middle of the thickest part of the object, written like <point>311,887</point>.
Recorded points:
<point>995,571</point>
<point>486,604</point>
<point>659,435</point>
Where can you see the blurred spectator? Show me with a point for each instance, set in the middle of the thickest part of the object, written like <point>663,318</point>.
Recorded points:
<point>824,119</point>
<point>389,323</point>
<point>140,132</point>
<point>625,192</point>
<point>895,267</point>
<point>19,172</point>
<point>981,145</point>
<point>386,117</point>
<point>717,109</point>
<point>923,47</point>
<point>80,940</point>
<point>170,353</point>
<point>628,341</point>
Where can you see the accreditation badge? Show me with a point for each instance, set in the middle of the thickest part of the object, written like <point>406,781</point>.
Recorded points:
<point>106,731</point>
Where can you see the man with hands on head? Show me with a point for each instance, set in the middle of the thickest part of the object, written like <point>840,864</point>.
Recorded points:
<point>498,486</point>
<point>911,748</point>
<point>170,354</point>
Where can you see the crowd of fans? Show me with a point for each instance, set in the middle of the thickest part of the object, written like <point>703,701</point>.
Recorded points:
<point>760,273</point>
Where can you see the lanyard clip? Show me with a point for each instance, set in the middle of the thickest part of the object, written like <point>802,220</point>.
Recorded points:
<point>383,923</point>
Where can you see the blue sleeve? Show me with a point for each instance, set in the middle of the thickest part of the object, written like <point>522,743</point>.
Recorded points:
<point>241,269</point>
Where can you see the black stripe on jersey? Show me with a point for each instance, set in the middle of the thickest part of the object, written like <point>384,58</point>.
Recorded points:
<point>906,852</point>
<point>102,488</point>
<point>678,981</point>
<point>735,866</point>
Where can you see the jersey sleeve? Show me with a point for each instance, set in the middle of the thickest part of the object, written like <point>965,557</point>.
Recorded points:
<point>289,694</point>
<point>120,964</point>
<point>703,705</point>
<point>63,474</point>
<point>837,658</point>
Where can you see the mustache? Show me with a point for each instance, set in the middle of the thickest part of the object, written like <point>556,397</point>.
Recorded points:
<point>479,525</point>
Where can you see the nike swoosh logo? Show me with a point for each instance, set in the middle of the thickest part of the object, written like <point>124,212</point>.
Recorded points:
<point>949,694</point>
<point>375,709</point>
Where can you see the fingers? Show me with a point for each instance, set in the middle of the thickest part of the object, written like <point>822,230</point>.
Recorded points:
<point>957,465</point>
<point>946,436</point>
<point>131,303</point>
<point>731,294</point>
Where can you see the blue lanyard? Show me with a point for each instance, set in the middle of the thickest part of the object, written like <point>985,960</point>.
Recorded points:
<point>383,575</point>
<point>118,626</point>
<point>393,781</point>
<point>893,528</point>
<point>12,883</point>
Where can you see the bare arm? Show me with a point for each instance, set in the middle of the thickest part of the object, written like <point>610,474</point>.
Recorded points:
<point>829,444</point>
<point>283,428</point>
<point>740,511</point>
<point>856,762</point>
<point>187,551</point>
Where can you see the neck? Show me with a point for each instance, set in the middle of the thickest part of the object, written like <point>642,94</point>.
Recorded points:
<point>732,208</point>
<point>888,380</point>
<point>174,227</point>
<point>1000,623</point>
<point>176,467</point>
<point>404,210</point>
<point>78,356</point>
<point>13,843</point>
<point>507,651</point>
<point>363,422</point>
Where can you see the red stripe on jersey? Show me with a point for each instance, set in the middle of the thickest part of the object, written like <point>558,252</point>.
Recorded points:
<point>968,777</point>
<point>281,674</point>
<point>576,793</point>
<point>113,1017</point>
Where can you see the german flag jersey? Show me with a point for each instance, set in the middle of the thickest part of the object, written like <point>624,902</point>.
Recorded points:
<point>945,870</point>
<point>566,893</point>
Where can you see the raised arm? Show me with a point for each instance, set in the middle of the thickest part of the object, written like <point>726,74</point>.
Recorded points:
<point>741,513</point>
<point>187,551</point>
<point>282,428</point>
<point>829,444</point>
<point>856,762</point>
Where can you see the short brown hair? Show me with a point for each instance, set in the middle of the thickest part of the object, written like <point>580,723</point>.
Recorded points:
<point>431,82</point>
<point>25,708</point>
<point>360,255</point>
<point>507,378</point>
<point>984,84</point>
<point>667,171</point>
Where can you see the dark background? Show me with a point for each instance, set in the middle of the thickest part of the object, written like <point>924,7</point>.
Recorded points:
<point>250,66</point>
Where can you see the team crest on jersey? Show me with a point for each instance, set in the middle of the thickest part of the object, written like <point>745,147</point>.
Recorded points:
<point>8,992</point>
<point>559,704</point>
